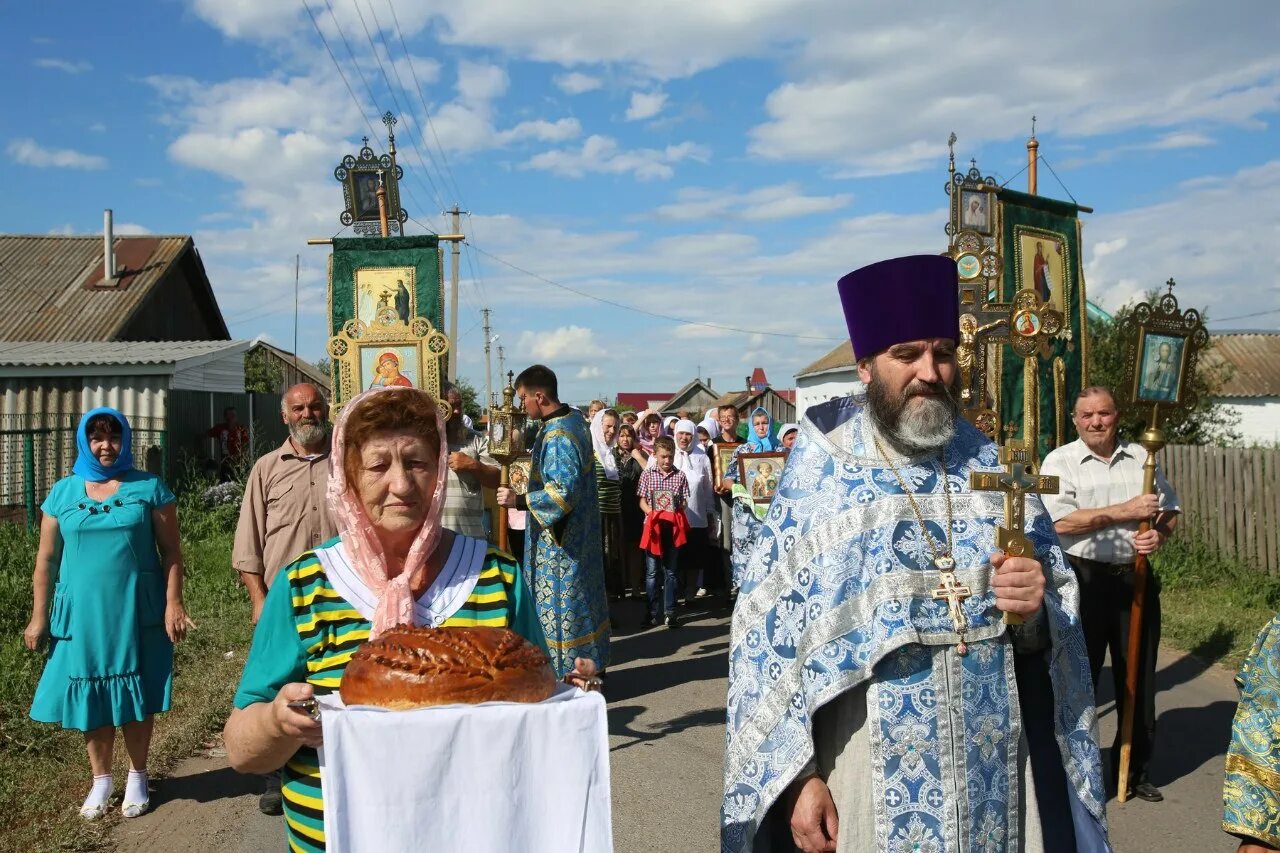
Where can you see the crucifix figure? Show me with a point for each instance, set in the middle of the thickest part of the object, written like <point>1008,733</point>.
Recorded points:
<point>954,593</point>
<point>1016,482</point>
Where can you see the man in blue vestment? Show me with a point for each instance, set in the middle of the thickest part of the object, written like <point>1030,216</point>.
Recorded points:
<point>563,560</point>
<point>878,700</point>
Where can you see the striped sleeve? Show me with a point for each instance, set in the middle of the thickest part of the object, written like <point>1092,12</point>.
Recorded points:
<point>277,656</point>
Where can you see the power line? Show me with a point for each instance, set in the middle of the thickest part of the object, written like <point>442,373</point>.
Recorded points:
<point>1246,316</point>
<point>425,111</point>
<point>373,48</point>
<point>377,25</point>
<point>645,311</point>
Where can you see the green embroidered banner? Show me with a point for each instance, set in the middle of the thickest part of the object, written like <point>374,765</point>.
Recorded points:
<point>368,275</point>
<point>1042,252</point>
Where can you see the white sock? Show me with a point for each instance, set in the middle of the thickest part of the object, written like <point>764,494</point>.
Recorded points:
<point>99,793</point>
<point>135,789</point>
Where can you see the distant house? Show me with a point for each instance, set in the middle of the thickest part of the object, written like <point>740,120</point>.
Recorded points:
<point>144,334</point>
<point>834,375</point>
<point>695,397</point>
<point>779,403</point>
<point>639,401</point>
<point>55,289</point>
<point>292,370</point>
<point>1253,391</point>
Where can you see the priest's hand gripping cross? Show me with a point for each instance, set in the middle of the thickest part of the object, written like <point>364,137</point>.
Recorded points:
<point>1016,481</point>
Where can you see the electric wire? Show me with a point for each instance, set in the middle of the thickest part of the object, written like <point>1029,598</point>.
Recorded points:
<point>624,306</point>
<point>425,110</point>
<point>434,193</point>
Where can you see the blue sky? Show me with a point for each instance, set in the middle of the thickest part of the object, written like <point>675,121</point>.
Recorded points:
<point>722,161</point>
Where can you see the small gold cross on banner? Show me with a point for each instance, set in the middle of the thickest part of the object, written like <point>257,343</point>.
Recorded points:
<point>1016,482</point>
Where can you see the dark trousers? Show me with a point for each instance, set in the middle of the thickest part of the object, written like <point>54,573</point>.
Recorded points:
<point>693,561</point>
<point>1106,594</point>
<point>610,542</point>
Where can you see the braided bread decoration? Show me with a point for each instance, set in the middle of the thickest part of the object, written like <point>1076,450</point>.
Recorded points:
<point>409,668</point>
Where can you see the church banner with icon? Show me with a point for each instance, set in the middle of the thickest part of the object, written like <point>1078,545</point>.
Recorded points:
<point>1041,245</point>
<point>385,312</point>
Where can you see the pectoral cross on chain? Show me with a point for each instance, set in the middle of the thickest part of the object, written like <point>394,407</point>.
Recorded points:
<point>954,593</point>
<point>1017,481</point>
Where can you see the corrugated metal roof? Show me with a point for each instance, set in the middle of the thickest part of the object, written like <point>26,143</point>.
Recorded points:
<point>841,356</point>
<point>1256,359</point>
<point>46,283</point>
<point>101,353</point>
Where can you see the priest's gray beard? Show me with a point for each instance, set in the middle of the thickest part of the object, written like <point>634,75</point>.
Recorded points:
<point>915,422</point>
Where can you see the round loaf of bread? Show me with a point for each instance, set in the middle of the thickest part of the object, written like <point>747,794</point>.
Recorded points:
<point>409,668</point>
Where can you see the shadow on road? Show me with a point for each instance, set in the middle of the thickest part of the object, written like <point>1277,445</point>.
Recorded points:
<point>218,784</point>
<point>620,720</point>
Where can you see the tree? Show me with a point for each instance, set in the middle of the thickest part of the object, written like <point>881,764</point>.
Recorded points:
<point>470,399</point>
<point>324,365</point>
<point>261,374</point>
<point>1208,423</point>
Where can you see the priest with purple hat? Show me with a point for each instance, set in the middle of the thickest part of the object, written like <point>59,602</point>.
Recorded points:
<point>878,699</point>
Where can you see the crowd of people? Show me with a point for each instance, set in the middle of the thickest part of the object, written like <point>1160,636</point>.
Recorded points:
<point>880,696</point>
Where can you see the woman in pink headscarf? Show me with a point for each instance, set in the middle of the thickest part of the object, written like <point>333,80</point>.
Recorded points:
<point>391,564</point>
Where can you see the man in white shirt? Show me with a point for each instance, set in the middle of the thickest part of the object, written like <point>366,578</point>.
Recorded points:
<point>1096,513</point>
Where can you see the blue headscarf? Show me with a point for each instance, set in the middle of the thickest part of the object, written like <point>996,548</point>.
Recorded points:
<point>87,465</point>
<point>768,444</point>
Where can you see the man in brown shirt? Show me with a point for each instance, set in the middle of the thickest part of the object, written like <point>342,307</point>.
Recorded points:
<point>284,511</point>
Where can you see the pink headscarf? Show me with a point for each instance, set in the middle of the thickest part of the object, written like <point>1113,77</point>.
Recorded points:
<point>364,550</point>
<point>642,434</point>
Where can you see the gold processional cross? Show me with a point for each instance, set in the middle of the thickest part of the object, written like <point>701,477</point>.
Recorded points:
<point>1017,481</point>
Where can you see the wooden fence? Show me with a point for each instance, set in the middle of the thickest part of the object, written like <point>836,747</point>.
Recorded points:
<point>1231,498</point>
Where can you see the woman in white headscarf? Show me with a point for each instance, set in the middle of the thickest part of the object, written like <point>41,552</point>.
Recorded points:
<point>604,440</point>
<point>696,465</point>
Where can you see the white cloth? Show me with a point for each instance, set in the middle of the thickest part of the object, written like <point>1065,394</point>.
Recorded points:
<point>1089,482</point>
<point>696,465</point>
<point>447,593</point>
<point>494,777</point>
<point>604,449</point>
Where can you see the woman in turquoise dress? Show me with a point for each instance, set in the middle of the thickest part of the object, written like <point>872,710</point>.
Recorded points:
<point>116,605</point>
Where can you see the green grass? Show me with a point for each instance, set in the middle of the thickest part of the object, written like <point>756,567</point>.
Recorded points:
<point>1213,605</point>
<point>44,772</point>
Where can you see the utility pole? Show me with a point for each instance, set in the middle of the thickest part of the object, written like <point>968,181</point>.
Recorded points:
<point>502,362</point>
<point>453,294</point>
<point>488,367</point>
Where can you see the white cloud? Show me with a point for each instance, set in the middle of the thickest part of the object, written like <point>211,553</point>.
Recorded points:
<point>573,344</point>
<point>1228,268</point>
<point>588,372</point>
<point>28,152</point>
<point>780,201</point>
<point>542,130</point>
<point>64,65</point>
<point>127,229</point>
<point>576,83</point>
<point>97,127</point>
<point>601,154</point>
<point>1196,63</point>
<point>645,105</point>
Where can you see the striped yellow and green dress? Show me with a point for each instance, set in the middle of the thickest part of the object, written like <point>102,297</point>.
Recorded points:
<point>312,622</point>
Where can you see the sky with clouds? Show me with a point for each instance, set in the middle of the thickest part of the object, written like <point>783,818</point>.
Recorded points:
<point>723,161</point>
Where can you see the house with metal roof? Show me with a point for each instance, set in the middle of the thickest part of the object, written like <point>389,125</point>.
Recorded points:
<point>833,376</point>
<point>1253,389</point>
<point>147,288</point>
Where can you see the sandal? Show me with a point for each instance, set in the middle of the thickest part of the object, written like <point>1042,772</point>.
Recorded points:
<point>93,812</point>
<point>135,809</point>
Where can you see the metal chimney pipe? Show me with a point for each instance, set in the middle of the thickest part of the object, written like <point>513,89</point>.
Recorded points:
<point>108,247</point>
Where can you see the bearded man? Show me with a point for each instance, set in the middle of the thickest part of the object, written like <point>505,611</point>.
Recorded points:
<point>869,709</point>
<point>284,511</point>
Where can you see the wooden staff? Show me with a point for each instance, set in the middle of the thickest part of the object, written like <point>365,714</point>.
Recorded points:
<point>504,481</point>
<point>1153,441</point>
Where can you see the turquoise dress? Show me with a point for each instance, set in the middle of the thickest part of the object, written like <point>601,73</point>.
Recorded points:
<point>110,661</point>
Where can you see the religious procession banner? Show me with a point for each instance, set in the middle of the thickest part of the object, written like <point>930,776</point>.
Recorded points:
<point>1041,245</point>
<point>1023,352</point>
<point>386,301</point>
<point>371,275</point>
